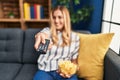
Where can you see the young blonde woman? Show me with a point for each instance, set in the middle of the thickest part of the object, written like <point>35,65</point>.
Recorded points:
<point>64,45</point>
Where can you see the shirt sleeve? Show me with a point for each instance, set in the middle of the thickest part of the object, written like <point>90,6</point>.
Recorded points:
<point>46,30</point>
<point>76,48</point>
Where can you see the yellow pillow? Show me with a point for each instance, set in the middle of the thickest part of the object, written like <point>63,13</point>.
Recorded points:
<point>93,48</point>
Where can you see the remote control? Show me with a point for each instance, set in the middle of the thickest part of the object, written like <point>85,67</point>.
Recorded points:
<point>43,47</point>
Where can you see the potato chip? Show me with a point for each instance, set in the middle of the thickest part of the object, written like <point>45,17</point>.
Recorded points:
<point>67,67</point>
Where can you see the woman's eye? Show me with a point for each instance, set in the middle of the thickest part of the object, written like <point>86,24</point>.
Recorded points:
<point>53,17</point>
<point>59,17</point>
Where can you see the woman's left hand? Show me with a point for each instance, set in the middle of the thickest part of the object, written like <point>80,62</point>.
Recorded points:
<point>63,75</point>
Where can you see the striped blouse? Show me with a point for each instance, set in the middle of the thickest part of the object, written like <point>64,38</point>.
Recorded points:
<point>49,61</point>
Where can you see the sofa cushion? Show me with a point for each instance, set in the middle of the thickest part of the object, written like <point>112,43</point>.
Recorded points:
<point>27,72</point>
<point>93,48</point>
<point>11,43</point>
<point>8,71</point>
<point>29,54</point>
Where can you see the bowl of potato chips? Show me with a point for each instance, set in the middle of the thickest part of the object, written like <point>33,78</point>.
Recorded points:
<point>67,67</point>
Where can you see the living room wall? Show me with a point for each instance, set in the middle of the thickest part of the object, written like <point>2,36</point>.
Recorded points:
<point>111,22</point>
<point>94,22</point>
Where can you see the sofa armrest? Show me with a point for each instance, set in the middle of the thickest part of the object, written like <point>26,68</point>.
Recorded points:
<point>111,66</point>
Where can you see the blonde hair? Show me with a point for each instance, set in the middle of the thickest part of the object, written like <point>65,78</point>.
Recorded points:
<point>66,29</point>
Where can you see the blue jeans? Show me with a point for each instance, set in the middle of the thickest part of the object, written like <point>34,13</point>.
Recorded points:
<point>52,75</point>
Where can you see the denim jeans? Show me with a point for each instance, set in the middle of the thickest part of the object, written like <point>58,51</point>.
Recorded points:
<point>52,75</point>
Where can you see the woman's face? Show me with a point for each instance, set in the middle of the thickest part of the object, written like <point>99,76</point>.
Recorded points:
<point>58,19</point>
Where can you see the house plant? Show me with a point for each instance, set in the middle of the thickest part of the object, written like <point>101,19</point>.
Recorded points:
<point>77,15</point>
<point>11,14</point>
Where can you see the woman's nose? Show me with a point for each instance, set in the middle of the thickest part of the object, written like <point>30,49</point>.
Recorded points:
<point>56,20</point>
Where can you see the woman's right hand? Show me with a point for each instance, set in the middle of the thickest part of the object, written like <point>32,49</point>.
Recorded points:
<point>39,37</point>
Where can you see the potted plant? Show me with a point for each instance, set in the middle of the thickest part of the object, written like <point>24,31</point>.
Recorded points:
<point>81,14</point>
<point>11,14</point>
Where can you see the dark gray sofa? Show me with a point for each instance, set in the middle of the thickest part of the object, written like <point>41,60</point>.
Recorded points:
<point>18,58</point>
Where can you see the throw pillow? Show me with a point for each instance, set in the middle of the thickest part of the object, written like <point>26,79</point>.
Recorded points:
<point>93,48</point>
